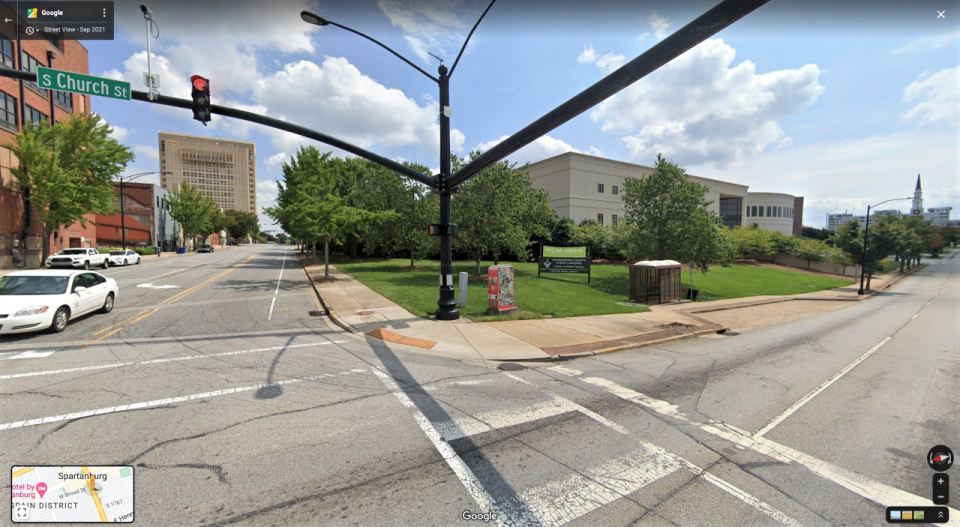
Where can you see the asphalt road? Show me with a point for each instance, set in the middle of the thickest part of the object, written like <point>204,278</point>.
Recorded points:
<point>253,412</point>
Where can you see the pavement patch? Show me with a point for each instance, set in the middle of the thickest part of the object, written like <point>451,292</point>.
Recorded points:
<point>397,338</point>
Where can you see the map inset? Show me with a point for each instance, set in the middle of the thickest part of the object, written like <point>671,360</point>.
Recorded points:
<point>65,494</point>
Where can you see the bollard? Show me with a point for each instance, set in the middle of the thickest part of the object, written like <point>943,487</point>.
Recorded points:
<point>462,301</point>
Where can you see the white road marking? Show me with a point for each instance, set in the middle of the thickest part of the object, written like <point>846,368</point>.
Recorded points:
<point>875,491</point>
<point>807,398</point>
<point>282,264</point>
<point>163,402</point>
<point>158,361</point>
<point>24,355</point>
<point>151,286</point>
<point>587,496</point>
<point>445,384</point>
<point>462,471</point>
<point>498,419</point>
<point>569,372</point>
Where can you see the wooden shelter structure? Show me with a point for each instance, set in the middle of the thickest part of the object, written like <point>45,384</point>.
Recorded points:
<point>655,282</point>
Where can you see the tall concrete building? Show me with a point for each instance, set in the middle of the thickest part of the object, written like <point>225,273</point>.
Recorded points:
<point>224,169</point>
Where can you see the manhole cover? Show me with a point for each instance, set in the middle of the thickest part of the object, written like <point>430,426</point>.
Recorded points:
<point>366,312</point>
<point>315,313</point>
<point>510,366</point>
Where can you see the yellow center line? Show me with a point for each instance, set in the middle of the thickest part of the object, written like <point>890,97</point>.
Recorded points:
<point>21,472</point>
<point>146,313</point>
<point>96,498</point>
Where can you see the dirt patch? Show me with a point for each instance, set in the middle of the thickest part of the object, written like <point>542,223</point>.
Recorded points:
<point>473,278</point>
<point>675,328</point>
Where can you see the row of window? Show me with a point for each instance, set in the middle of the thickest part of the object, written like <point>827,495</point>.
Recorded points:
<point>615,189</point>
<point>8,112</point>
<point>600,217</point>
<point>756,211</point>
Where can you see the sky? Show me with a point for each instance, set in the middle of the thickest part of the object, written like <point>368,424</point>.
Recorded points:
<point>844,105</point>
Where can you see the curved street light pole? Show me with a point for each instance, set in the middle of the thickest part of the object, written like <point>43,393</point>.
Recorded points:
<point>447,304</point>
<point>123,223</point>
<point>866,231</point>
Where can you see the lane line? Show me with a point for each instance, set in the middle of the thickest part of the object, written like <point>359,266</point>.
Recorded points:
<point>880,493</point>
<point>282,264</point>
<point>807,398</point>
<point>164,402</point>
<point>160,361</point>
<point>462,471</point>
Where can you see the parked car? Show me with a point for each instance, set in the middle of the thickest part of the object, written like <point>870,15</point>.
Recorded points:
<point>122,257</point>
<point>78,258</point>
<point>38,300</point>
<point>205,249</point>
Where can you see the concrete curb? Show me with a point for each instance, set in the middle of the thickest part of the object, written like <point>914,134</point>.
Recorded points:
<point>331,314</point>
<point>571,356</point>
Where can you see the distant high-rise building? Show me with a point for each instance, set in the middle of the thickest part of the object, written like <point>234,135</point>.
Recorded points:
<point>224,169</point>
<point>938,215</point>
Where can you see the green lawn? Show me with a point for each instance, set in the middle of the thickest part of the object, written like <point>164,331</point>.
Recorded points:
<point>566,295</point>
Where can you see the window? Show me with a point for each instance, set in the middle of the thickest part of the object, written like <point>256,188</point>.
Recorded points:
<point>761,212</point>
<point>754,212</point>
<point>600,216</point>
<point>8,111</point>
<point>6,52</point>
<point>748,211</point>
<point>615,190</point>
<point>600,188</point>
<point>731,211</point>
<point>769,211</point>
<point>64,100</point>
<point>33,115</point>
<point>614,216</point>
<point>28,63</point>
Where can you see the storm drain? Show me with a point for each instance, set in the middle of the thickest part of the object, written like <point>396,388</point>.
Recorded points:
<point>316,313</point>
<point>510,366</point>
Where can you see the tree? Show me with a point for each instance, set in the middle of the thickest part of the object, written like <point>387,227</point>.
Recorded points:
<point>240,224</point>
<point>747,242</point>
<point>592,234</point>
<point>671,218</point>
<point>950,234</point>
<point>499,211</point>
<point>816,234</point>
<point>197,214</point>
<point>310,207</point>
<point>66,170</point>
<point>885,238</point>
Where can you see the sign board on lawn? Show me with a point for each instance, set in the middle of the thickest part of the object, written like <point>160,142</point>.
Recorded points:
<point>564,260</point>
<point>50,79</point>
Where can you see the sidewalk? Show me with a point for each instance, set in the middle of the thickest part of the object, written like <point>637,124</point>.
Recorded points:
<point>367,314</point>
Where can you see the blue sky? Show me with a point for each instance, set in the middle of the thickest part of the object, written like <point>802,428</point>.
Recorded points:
<point>842,105</point>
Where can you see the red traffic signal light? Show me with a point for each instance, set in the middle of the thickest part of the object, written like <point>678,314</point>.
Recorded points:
<point>201,99</point>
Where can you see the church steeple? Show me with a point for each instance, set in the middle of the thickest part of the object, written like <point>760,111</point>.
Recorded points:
<point>917,208</point>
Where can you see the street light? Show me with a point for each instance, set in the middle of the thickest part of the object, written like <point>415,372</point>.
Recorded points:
<point>123,223</point>
<point>447,305</point>
<point>866,231</point>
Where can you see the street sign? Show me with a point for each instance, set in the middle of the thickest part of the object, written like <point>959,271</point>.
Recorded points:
<point>50,79</point>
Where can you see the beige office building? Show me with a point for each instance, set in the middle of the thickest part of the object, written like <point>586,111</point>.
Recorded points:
<point>224,169</point>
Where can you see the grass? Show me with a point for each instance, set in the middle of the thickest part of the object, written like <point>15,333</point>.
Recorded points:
<point>566,295</point>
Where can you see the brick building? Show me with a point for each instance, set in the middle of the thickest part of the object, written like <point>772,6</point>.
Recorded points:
<point>20,101</point>
<point>146,220</point>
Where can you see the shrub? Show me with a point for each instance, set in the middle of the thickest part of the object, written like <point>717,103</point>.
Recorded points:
<point>145,251</point>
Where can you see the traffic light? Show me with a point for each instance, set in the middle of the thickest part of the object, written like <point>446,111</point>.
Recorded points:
<point>201,99</point>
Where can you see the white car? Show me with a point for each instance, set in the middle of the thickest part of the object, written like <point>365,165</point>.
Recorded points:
<point>123,257</point>
<point>37,300</point>
<point>76,258</point>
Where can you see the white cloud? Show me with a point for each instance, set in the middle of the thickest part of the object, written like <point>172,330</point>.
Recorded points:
<point>118,132</point>
<point>930,42</point>
<point>148,151</point>
<point>699,109</point>
<point>659,24</point>
<point>276,161</point>
<point>937,97</point>
<point>594,151</point>
<point>543,148</point>
<point>337,98</point>
<point>852,174</point>
<point>431,26</point>
<point>588,56</point>
<point>610,62</point>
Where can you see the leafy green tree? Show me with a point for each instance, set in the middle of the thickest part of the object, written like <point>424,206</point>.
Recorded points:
<point>749,241</point>
<point>816,234</point>
<point>240,224</point>
<point>282,238</point>
<point>309,204</point>
<point>67,169</point>
<point>594,235</point>
<point>950,234</point>
<point>672,219</point>
<point>499,211</point>
<point>811,250</point>
<point>197,213</point>
<point>782,243</point>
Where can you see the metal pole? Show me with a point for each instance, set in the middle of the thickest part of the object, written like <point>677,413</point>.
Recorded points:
<point>863,257</point>
<point>150,95</point>
<point>447,304</point>
<point>123,224</point>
